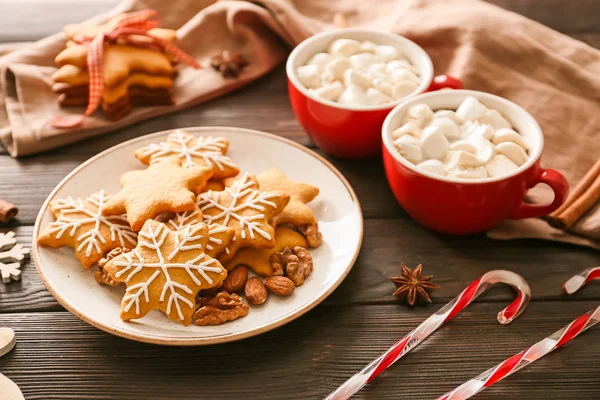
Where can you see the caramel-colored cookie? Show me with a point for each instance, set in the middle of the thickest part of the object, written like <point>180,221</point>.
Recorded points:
<point>243,207</point>
<point>70,75</point>
<point>81,225</point>
<point>119,61</point>
<point>219,236</point>
<point>164,186</point>
<point>166,271</point>
<point>296,213</point>
<point>90,31</point>
<point>259,259</point>
<point>215,185</point>
<point>135,95</point>
<point>193,150</point>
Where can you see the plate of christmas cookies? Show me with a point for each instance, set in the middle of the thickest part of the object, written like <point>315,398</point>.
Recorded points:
<point>197,236</point>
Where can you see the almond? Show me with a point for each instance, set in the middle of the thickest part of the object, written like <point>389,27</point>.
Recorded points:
<point>255,291</point>
<point>280,285</point>
<point>236,279</point>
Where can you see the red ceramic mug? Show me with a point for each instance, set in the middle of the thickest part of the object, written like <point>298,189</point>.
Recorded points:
<point>345,130</point>
<point>465,206</point>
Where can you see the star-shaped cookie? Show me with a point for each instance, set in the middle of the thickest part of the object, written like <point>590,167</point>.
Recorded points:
<point>165,186</point>
<point>243,207</point>
<point>296,213</point>
<point>193,151</point>
<point>80,224</point>
<point>166,271</point>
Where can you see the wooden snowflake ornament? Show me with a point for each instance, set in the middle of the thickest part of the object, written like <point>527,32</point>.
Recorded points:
<point>166,271</point>
<point>10,250</point>
<point>80,224</point>
<point>193,151</point>
<point>246,209</point>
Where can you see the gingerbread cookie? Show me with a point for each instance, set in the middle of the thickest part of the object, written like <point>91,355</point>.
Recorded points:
<point>164,186</point>
<point>259,259</point>
<point>243,207</point>
<point>219,236</point>
<point>296,213</point>
<point>193,150</point>
<point>81,225</point>
<point>119,61</point>
<point>166,271</point>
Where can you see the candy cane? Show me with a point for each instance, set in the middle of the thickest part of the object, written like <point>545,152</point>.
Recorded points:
<point>538,350</point>
<point>410,341</point>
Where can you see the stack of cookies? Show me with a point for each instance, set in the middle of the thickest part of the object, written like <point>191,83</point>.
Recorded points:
<point>189,234</point>
<point>135,71</point>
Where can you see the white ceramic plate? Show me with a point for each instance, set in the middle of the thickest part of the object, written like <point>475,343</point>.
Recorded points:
<point>336,208</point>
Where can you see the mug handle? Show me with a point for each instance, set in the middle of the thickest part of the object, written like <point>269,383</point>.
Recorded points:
<point>559,186</point>
<point>444,82</point>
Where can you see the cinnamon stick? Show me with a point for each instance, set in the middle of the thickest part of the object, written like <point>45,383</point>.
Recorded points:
<point>581,200</point>
<point>8,211</point>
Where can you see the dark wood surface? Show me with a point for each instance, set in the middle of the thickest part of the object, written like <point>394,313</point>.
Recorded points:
<point>60,357</point>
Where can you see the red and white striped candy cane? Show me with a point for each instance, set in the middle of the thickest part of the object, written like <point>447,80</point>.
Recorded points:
<point>134,24</point>
<point>444,314</point>
<point>538,350</point>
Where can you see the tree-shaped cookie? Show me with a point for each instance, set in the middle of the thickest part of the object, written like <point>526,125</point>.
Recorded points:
<point>193,151</point>
<point>165,186</point>
<point>296,213</point>
<point>80,224</point>
<point>166,271</point>
<point>243,207</point>
<point>219,236</point>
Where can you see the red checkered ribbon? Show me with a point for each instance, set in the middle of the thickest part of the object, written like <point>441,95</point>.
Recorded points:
<point>133,24</point>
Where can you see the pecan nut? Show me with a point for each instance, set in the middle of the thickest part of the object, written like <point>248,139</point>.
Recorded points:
<point>312,234</point>
<point>255,291</point>
<point>236,279</point>
<point>298,263</point>
<point>101,275</point>
<point>218,309</point>
<point>280,285</point>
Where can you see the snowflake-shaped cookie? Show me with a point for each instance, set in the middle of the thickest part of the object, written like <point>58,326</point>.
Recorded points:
<point>219,236</point>
<point>165,271</point>
<point>80,224</point>
<point>193,151</point>
<point>243,207</point>
<point>10,250</point>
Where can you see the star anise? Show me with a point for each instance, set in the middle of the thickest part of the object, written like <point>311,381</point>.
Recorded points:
<point>228,64</point>
<point>413,286</point>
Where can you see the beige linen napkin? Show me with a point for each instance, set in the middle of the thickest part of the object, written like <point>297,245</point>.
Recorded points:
<point>554,77</point>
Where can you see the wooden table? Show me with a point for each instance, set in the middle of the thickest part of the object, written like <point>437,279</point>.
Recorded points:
<point>60,357</point>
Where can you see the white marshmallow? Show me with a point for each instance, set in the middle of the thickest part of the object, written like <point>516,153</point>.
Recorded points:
<point>470,109</point>
<point>448,127</point>
<point>388,53</point>
<point>320,60</point>
<point>402,75</point>
<point>513,152</point>
<point>353,95</point>
<point>363,60</point>
<point>421,114</point>
<point>434,143</point>
<point>469,173</point>
<point>475,129</point>
<point>343,47</point>
<point>403,89</point>
<point>367,46</point>
<point>464,160</point>
<point>375,97</point>
<point>494,119</point>
<point>485,149</point>
<point>500,166</point>
<point>354,77</point>
<point>509,135</point>
<point>409,128</point>
<point>330,91</point>
<point>464,145</point>
<point>309,76</point>
<point>383,86</point>
<point>335,69</point>
<point>378,68</point>
<point>410,148</point>
<point>433,166</point>
<point>446,114</point>
<point>395,64</point>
